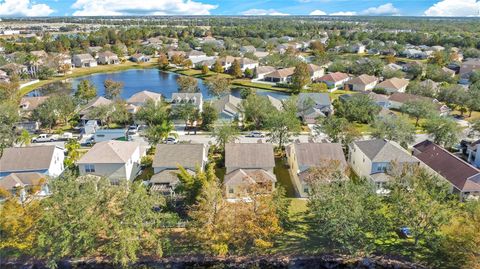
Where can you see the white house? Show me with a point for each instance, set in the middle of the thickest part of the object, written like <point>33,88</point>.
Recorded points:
<point>194,98</point>
<point>46,160</point>
<point>315,71</point>
<point>84,60</point>
<point>115,160</point>
<point>373,159</point>
<point>261,71</point>
<point>108,57</point>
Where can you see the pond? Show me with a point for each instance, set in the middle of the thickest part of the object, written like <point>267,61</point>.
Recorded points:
<point>136,80</point>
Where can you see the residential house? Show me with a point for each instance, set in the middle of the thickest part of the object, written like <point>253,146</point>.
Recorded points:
<point>46,160</point>
<point>468,67</point>
<point>335,80</point>
<point>245,63</point>
<point>173,53</point>
<point>195,99</point>
<point>140,58</point>
<point>25,185</point>
<point>464,179</point>
<point>393,85</point>
<point>139,99</point>
<point>310,106</point>
<point>14,69</point>
<point>208,62</point>
<point>249,168</point>
<point>228,107</point>
<point>30,103</point>
<point>359,48</point>
<point>448,72</point>
<point>194,55</point>
<point>108,57</point>
<point>393,67</point>
<point>115,160</point>
<point>84,60</point>
<point>277,103</point>
<point>303,157</point>
<point>373,159</point>
<point>472,152</point>
<point>99,101</point>
<point>168,159</point>
<point>94,50</point>
<point>261,71</point>
<point>280,76</point>
<point>247,49</point>
<point>315,71</point>
<point>362,83</point>
<point>398,99</point>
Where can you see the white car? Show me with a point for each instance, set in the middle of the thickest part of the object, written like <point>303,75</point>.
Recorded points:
<point>171,140</point>
<point>45,138</point>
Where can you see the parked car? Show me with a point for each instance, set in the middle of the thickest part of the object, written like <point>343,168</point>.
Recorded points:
<point>133,129</point>
<point>255,134</point>
<point>44,138</point>
<point>171,140</point>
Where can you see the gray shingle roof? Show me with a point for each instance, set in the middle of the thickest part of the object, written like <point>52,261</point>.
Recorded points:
<point>26,159</point>
<point>381,150</point>
<point>186,155</point>
<point>315,154</point>
<point>318,98</point>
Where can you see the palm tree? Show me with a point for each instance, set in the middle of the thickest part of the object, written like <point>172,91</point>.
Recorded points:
<point>24,138</point>
<point>157,133</point>
<point>32,61</point>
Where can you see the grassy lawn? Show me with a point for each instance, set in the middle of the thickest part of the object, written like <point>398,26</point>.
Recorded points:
<point>250,84</point>
<point>283,177</point>
<point>79,72</point>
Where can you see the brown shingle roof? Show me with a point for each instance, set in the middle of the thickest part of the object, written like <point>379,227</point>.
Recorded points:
<point>393,83</point>
<point>315,154</point>
<point>30,103</point>
<point>249,156</point>
<point>405,97</point>
<point>15,180</point>
<point>452,168</point>
<point>281,73</point>
<point>143,96</point>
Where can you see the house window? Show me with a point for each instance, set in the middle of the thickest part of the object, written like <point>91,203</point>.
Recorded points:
<point>305,189</point>
<point>90,168</point>
<point>230,190</point>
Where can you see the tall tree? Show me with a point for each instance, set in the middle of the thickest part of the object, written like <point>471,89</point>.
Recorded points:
<point>359,108</point>
<point>163,63</point>
<point>152,113</point>
<point>338,130</point>
<point>300,77</point>
<point>256,109</point>
<point>224,134</point>
<point>418,108</point>
<point>113,88</point>
<point>283,124</point>
<point>217,67</point>
<point>187,84</point>
<point>217,85</point>
<point>444,131</point>
<point>159,132</point>
<point>396,128</point>
<point>86,91</point>
<point>209,116</point>
<point>236,69</point>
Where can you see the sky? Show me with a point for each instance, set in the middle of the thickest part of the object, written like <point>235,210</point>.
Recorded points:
<point>27,8</point>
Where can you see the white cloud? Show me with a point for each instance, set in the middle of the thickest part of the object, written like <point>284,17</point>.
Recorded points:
<point>458,8</point>
<point>142,7</point>
<point>318,12</point>
<point>263,12</point>
<point>24,8</point>
<point>387,9</point>
<point>344,13</point>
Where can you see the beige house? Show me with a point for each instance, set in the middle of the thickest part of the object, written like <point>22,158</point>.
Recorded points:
<point>315,71</point>
<point>169,157</point>
<point>393,85</point>
<point>249,169</point>
<point>302,157</point>
<point>280,76</point>
<point>373,159</point>
<point>362,83</point>
<point>335,80</point>
<point>108,57</point>
<point>84,60</point>
<point>139,99</point>
<point>115,160</point>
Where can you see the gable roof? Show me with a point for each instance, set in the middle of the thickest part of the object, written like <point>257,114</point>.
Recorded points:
<point>334,77</point>
<point>99,101</point>
<point>227,103</point>
<point>281,73</point>
<point>452,168</point>
<point>277,103</point>
<point>186,155</point>
<point>249,156</point>
<point>15,180</point>
<point>381,150</point>
<point>32,102</point>
<point>393,83</point>
<point>363,80</point>
<point>26,158</point>
<point>265,69</point>
<point>84,57</point>
<point>250,176</point>
<point>111,151</point>
<point>313,68</point>
<point>318,98</point>
<point>316,154</point>
<point>144,96</point>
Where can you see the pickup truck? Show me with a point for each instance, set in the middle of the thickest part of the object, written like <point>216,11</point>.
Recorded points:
<point>45,138</point>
